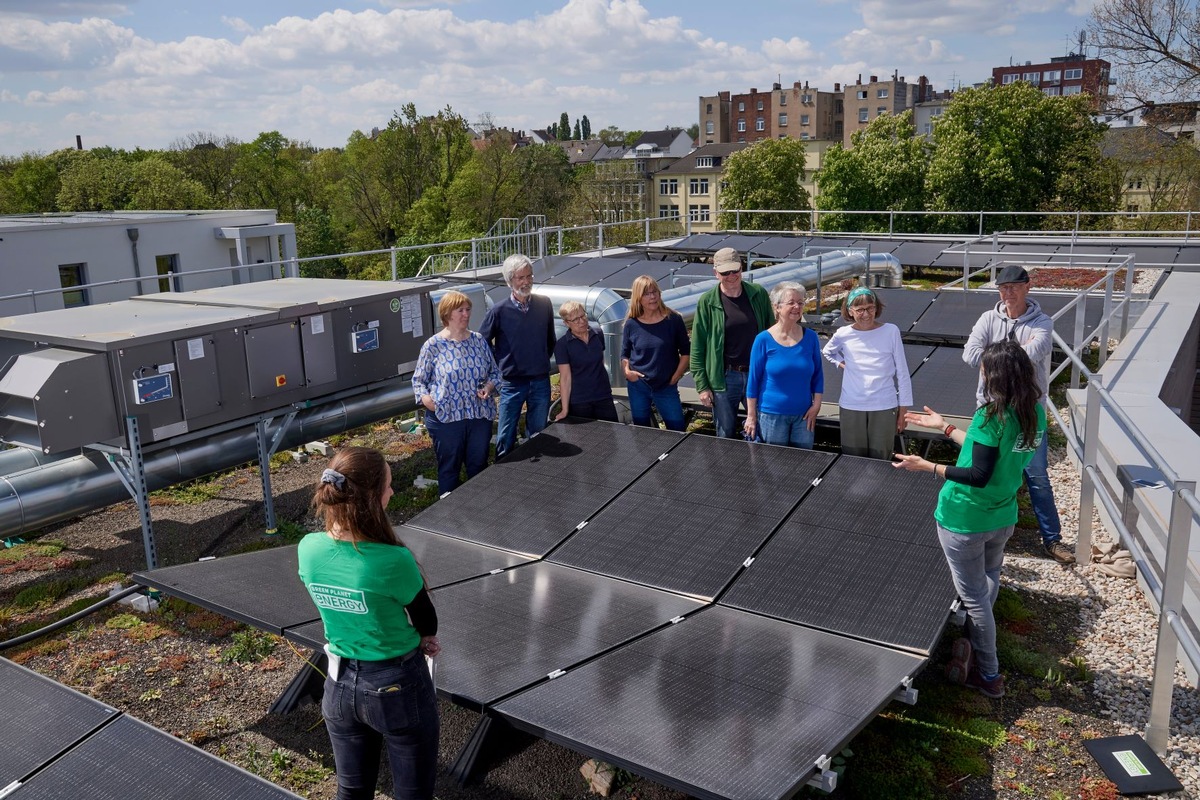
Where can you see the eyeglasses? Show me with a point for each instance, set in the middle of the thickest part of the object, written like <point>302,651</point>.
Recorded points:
<point>870,307</point>
<point>727,273</point>
<point>580,318</point>
<point>650,293</point>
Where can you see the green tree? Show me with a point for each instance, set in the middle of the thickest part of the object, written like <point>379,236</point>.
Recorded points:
<point>693,131</point>
<point>316,235</point>
<point>586,127</point>
<point>210,160</point>
<point>765,176</point>
<point>631,138</point>
<point>157,184</point>
<point>29,185</point>
<point>578,131</point>
<point>1012,148</point>
<point>95,180</point>
<point>270,173</point>
<point>564,127</point>
<point>612,136</point>
<point>883,171</point>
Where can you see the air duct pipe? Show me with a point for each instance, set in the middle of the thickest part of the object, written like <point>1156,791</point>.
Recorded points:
<point>58,491</point>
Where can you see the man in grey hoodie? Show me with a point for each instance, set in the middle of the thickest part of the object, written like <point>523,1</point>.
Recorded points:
<point>1021,319</point>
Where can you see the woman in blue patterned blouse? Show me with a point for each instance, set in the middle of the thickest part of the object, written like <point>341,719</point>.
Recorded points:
<point>455,379</point>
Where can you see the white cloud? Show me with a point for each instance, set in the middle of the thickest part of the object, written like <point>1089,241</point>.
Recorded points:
<point>791,52</point>
<point>29,45</point>
<point>237,24</point>
<point>57,97</point>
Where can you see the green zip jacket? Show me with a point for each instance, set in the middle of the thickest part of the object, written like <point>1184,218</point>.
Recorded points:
<point>707,363</point>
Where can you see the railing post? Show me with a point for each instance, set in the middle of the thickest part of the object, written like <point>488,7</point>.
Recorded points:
<point>981,223</point>
<point>474,253</point>
<point>1167,652</point>
<point>1130,272</point>
<point>1108,299</point>
<point>1075,233</point>
<point>646,240</point>
<point>820,257</point>
<point>891,223</point>
<point>812,220</point>
<point>737,220</point>
<point>600,237</point>
<point>560,240</point>
<point>1077,341</point>
<point>1188,230</point>
<point>1087,484</point>
<point>393,250</point>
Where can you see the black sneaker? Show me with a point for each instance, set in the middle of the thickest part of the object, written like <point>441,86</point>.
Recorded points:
<point>993,688</point>
<point>1059,552</point>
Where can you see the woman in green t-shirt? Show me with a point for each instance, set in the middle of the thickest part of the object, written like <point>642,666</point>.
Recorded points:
<point>378,621</point>
<point>977,507</point>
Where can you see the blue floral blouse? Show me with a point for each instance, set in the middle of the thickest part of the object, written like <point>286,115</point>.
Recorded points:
<point>451,372</point>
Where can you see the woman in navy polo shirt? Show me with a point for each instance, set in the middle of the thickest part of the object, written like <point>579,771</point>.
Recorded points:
<point>654,355</point>
<point>583,384</point>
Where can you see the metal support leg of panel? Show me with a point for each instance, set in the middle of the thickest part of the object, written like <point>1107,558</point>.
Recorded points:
<point>131,470</point>
<point>481,747</point>
<point>267,445</point>
<point>307,685</point>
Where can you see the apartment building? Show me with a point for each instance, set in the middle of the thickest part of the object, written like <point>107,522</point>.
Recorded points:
<point>751,117</point>
<point>864,102</point>
<point>1062,76</point>
<point>714,118</point>
<point>691,187</point>
<point>798,111</point>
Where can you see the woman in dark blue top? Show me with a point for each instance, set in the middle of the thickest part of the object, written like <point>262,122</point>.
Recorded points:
<point>654,355</point>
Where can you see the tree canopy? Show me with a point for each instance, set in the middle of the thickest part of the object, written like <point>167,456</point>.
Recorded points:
<point>884,170</point>
<point>765,176</point>
<point>1153,46</point>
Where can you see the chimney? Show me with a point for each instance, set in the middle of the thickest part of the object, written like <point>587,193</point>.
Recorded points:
<point>858,80</point>
<point>754,91</point>
<point>78,142</point>
<point>837,87</point>
<point>874,79</point>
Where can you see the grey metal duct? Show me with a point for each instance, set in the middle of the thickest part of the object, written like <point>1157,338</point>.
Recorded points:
<point>42,495</point>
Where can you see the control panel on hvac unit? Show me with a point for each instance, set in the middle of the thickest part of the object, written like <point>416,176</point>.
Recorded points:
<point>180,362</point>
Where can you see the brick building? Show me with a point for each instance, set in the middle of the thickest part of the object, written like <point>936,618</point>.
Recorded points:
<point>1062,75</point>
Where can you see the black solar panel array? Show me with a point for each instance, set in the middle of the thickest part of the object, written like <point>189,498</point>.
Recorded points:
<point>613,645</point>
<point>946,383</point>
<point>58,743</point>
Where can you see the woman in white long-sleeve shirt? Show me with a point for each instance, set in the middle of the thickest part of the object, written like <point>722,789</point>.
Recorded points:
<point>876,390</point>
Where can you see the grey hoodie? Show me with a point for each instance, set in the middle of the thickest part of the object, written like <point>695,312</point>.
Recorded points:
<point>1031,330</point>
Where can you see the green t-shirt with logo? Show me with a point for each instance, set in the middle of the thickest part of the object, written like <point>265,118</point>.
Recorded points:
<point>361,594</point>
<point>966,509</point>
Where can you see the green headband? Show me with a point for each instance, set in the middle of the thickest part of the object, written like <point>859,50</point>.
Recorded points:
<point>861,291</point>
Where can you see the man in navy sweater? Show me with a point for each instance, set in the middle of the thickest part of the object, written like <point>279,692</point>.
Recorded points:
<point>520,329</point>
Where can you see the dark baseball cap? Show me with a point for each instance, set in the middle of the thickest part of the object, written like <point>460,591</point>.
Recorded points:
<point>1012,274</point>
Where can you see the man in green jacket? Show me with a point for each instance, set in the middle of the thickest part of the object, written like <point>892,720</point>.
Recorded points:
<point>728,317</point>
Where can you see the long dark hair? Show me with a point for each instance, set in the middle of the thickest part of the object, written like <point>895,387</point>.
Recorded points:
<point>1009,381</point>
<point>353,502</point>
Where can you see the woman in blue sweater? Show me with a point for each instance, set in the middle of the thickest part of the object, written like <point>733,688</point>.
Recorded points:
<point>784,387</point>
<point>654,355</point>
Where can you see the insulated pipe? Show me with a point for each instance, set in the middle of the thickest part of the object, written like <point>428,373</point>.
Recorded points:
<point>43,495</point>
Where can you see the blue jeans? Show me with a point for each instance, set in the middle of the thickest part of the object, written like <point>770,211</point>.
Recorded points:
<point>1041,495</point>
<point>595,409</point>
<point>457,443</point>
<point>535,395</point>
<point>785,429</point>
<point>975,560</point>
<point>383,702</point>
<point>666,400</point>
<point>725,404</point>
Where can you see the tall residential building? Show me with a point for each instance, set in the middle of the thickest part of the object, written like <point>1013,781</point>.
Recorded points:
<point>806,112</point>
<point>750,117</point>
<point>866,101</point>
<point>1063,75</point>
<point>691,187</point>
<point>798,111</point>
<point>714,119</point>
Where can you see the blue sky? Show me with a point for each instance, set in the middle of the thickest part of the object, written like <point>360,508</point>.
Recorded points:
<point>148,72</point>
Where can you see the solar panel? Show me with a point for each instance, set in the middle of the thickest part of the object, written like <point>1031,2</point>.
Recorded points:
<point>724,704</point>
<point>702,241</point>
<point>41,719</point>
<point>869,495</point>
<point>946,383</point>
<point>1065,324</point>
<point>678,545</point>
<point>624,277</point>
<point>855,583</point>
<point>914,356</point>
<point>129,760</point>
<point>903,307</point>
<point>445,560</point>
<point>549,266</point>
<point>742,242</point>
<point>952,314</point>
<point>586,273</point>
<point>592,451</point>
<point>505,632</point>
<point>261,589</point>
<point>920,254</point>
<point>781,247</point>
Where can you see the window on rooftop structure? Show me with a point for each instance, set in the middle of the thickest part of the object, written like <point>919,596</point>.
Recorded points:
<point>1072,89</point>
<point>166,266</point>
<point>1011,77</point>
<point>782,99</point>
<point>760,124</point>
<point>708,128</point>
<point>881,93</point>
<point>783,120</point>
<point>760,106</point>
<point>703,162</point>
<point>806,98</point>
<point>741,105</point>
<point>804,118</point>
<point>864,114</point>
<point>1052,75</point>
<point>70,275</point>
<point>1072,74</point>
<point>1032,77</point>
<point>708,108</point>
<point>861,94</point>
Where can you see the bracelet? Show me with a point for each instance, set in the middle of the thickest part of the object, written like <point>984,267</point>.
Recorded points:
<point>949,430</point>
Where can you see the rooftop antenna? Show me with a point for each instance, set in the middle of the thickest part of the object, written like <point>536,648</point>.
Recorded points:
<point>1082,39</point>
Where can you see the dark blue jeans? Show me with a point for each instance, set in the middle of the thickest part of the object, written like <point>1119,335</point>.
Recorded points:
<point>666,400</point>
<point>455,444</point>
<point>383,702</point>
<point>1041,494</point>
<point>535,396</point>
